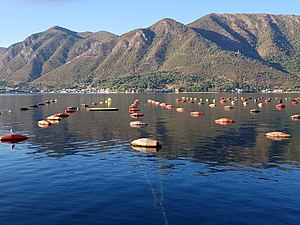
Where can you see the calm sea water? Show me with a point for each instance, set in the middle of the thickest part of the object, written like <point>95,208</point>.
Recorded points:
<point>84,171</point>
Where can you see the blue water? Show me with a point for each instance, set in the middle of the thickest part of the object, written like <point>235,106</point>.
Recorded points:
<point>84,171</point>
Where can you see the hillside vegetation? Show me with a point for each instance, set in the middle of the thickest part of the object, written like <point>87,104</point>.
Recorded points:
<point>216,52</point>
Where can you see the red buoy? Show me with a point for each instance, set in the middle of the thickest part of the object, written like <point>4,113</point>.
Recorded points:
<point>135,115</point>
<point>12,137</point>
<point>280,106</point>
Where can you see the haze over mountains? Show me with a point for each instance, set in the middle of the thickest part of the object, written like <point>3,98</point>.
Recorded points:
<point>240,49</point>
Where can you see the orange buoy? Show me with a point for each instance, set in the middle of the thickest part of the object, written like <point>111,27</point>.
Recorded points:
<point>61,115</point>
<point>134,110</point>
<point>44,123</point>
<point>170,106</point>
<point>72,107</point>
<point>228,107</point>
<point>224,121</point>
<point>137,124</point>
<point>180,109</point>
<point>196,114</point>
<point>53,117</point>
<point>70,110</point>
<point>13,137</point>
<point>278,136</point>
<point>295,117</point>
<point>280,106</point>
<point>132,106</point>
<point>294,102</point>
<point>135,115</point>
<point>254,111</point>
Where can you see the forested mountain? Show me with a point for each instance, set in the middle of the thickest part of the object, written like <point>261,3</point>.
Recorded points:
<point>215,52</point>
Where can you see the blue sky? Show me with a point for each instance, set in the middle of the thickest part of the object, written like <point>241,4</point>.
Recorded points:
<point>21,18</point>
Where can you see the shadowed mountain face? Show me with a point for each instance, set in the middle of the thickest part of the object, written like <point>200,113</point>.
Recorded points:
<point>238,48</point>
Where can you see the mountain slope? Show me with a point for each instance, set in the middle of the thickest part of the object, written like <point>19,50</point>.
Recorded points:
<point>272,38</point>
<point>237,49</point>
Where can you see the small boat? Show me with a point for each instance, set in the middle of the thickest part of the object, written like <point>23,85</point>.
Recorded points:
<point>13,137</point>
<point>102,109</point>
<point>34,105</point>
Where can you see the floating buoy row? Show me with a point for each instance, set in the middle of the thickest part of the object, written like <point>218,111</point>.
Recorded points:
<point>162,104</point>
<point>146,145</point>
<point>226,121</point>
<point>134,112</point>
<point>178,109</point>
<point>55,118</point>
<point>37,105</point>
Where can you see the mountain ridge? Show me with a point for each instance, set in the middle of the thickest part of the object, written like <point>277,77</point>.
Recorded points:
<point>237,49</point>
